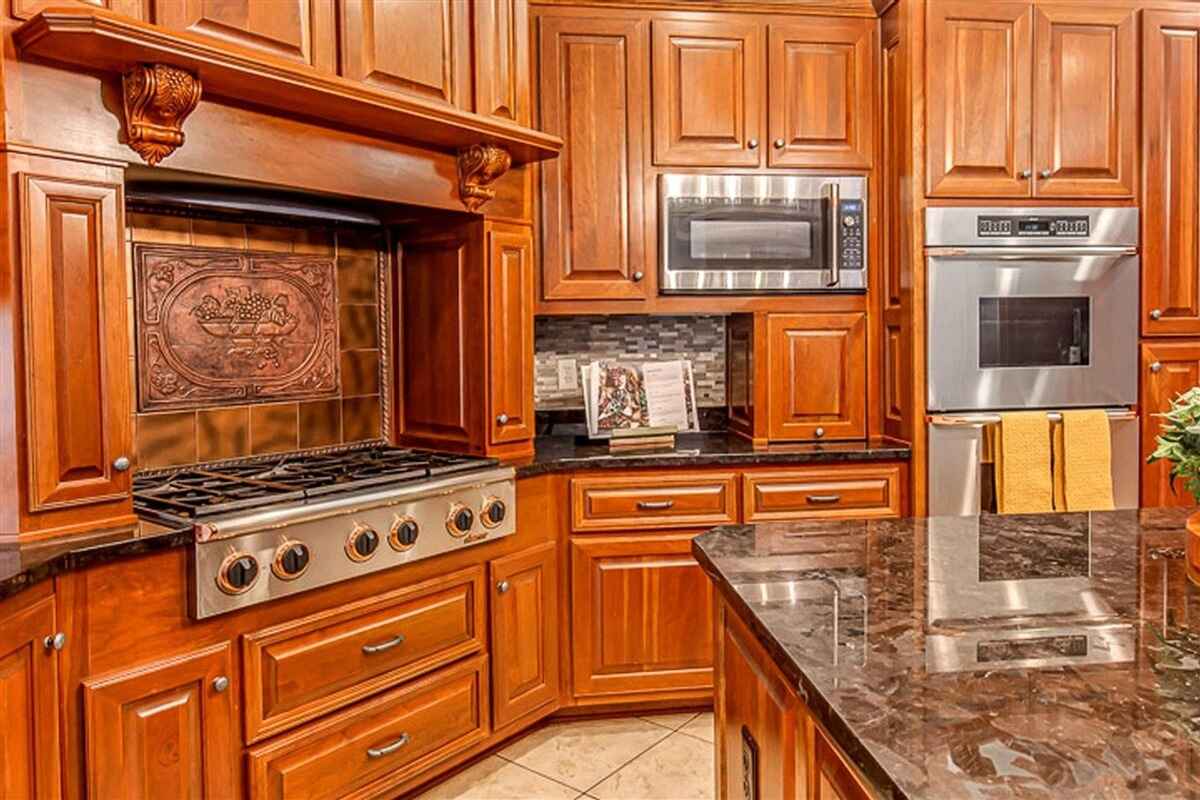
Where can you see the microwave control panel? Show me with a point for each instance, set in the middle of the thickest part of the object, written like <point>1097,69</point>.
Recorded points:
<point>1037,226</point>
<point>850,213</point>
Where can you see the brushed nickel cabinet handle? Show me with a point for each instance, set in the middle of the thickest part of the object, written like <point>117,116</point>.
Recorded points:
<point>502,587</point>
<point>1156,314</point>
<point>819,433</point>
<point>220,683</point>
<point>752,144</point>
<point>121,463</point>
<point>1045,173</point>
<point>502,419</point>
<point>655,505</point>
<point>779,143</point>
<point>823,499</point>
<point>637,277</point>
<point>56,641</point>
<point>1156,366</point>
<point>383,647</point>
<point>387,749</point>
<point>1026,174</point>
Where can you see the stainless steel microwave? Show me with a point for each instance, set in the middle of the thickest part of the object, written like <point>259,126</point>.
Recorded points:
<point>744,234</point>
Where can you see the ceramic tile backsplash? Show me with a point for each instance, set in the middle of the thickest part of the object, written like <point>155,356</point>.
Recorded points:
<point>633,338</point>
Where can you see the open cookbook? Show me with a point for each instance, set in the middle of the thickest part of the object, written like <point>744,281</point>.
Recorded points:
<point>619,396</point>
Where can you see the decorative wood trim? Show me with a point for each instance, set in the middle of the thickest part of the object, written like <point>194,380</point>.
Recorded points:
<point>479,166</point>
<point>158,98</point>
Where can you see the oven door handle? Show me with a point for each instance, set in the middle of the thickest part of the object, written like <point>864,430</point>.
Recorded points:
<point>983,420</point>
<point>1031,253</point>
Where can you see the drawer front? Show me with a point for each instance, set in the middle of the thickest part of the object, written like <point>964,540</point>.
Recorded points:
<point>301,669</point>
<point>871,491</point>
<point>374,747</point>
<point>653,501</point>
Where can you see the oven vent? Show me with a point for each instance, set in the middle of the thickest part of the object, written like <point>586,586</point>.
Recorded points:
<point>247,205</point>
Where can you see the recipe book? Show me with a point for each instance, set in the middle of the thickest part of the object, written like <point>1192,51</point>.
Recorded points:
<point>625,396</point>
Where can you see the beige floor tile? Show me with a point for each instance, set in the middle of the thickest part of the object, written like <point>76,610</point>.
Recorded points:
<point>701,727</point>
<point>497,779</point>
<point>672,721</point>
<point>580,754</point>
<point>677,768</point>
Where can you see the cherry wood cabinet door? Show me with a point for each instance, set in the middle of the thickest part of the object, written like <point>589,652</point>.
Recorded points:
<point>978,105</point>
<point>525,625</point>
<point>1171,193</point>
<point>510,296</point>
<point>76,342</point>
<point>502,59</point>
<point>594,92</point>
<point>817,379</point>
<point>1085,102</point>
<point>302,31</point>
<point>835,779</point>
<point>1168,370</point>
<point>417,47</point>
<point>164,730</point>
<point>822,110</point>
<point>708,92</point>
<point>642,618</point>
<point>29,741</point>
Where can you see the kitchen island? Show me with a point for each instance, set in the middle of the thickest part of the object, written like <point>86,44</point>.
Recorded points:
<point>1053,656</point>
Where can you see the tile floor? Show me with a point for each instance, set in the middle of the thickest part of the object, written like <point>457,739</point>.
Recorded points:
<point>654,757</point>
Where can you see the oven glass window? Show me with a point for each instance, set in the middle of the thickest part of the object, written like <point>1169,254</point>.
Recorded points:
<point>750,240</point>
<point>1034,331</point>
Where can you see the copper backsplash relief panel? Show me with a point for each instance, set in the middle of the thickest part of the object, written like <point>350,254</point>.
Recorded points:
<point>218,327</point>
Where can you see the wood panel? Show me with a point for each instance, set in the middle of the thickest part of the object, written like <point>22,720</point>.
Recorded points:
<point>510,337</point>
<point>29,708</point>
<point>593,216</point>
<point>708,92</point>
<point>24,9</point>
<point>165,729</point>
<point>295,30</point>
<point>76,341</point>
<point>419,48</point>
<point>525,633</point>
<point>671,500</point>
<point>1168,370</point>
<point>1085,102</point>
<point>835,779</point>
<point>1171,193</point>
<point>857,492</point>
<point>978,109</point>
<point>821,112</point>
<point>895,235</point>
<point>501,59</point>
<point>817,376</point>
<point>631,597</point>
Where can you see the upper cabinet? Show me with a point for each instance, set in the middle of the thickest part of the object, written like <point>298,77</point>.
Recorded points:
<point>1027,101</point>
<point>302,31</point>
<point>501,59</point>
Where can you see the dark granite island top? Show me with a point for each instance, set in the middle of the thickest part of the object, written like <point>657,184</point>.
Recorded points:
<point>1052,656</point>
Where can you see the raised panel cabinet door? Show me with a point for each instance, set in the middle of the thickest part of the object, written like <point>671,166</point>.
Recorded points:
<point>302,31</point>
<point>510,296</point>
<point>415,47</point>
<point>24,9</point>
<point>978,106</point>
<point>1171,194</point>
<point>835,779</point>
<point>708,92</point>
<point>1168,370</point>
<point>76,342</point>
<point>817,381</point>
<point>502,59</point>
<point>822,109</point>
<point>1085,102</point>
<point>642,617</point>
<point>164,730</point>
<point>525,625</point>
<point>29,741</point>
<point>594,92</point>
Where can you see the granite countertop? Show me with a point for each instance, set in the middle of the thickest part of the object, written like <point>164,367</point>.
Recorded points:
<point>1053,656</point>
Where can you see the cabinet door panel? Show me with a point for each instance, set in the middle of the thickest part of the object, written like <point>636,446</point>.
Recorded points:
<point>978,110</point>
<point>502,59</point>
<point>29,741</point>
<point>293,30</point>
<point>510,376</point>
<point>1171,195</point>
<point>593,222</point>
<point>525,629</point>
<point>817,381</point>
<point>1085,102</point>
<point>823,115</point>
<point>708,83</point>
<point>76,342</point>
<point>1168,370</point>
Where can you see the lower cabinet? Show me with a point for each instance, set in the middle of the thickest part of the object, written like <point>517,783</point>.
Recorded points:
<point>29,739</point>
<point>1168,369</point>
<point>817,376</point>
<point>167,729</point>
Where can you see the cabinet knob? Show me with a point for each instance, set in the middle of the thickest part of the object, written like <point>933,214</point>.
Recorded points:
<point>779,143</point>
<point>1156,366</point>
<point>1026,174</point>
<point>752,144</point>
<point>502,419</point>
<point>220,683</point>
<point>819,432</point>
<point>1045,173</point>
<point>637,276</point>
<point>55,641</point>
<point>121,463</point>
<point>502,587</point>
<point>1156,314</point>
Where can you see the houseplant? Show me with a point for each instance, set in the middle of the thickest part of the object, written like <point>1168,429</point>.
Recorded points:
<point>1179,443</point>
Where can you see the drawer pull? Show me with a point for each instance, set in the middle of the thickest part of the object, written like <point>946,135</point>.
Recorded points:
<point>387,749</point>
<point>822,499</point>
<point>372,649</point>
<point>655,505</point>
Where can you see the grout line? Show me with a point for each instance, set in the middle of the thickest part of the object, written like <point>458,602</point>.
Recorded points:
<point>540,775</point>
<point>668,727</point>
<point>630,761</point>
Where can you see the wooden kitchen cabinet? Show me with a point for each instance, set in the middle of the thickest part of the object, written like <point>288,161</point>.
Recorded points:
<point>29,735</point>
<point>817,376</point>
<point>1168,370</point>
<point>502,59</point>
<point>525,627</point>
<point>641,619</point>
<point>167,729</point>
<point>709,85</point>
<point>510,333</point>
<point>593,223</point>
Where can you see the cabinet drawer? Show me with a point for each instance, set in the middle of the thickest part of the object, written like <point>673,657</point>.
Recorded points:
<point>374,747</point>
<point>872,491</point>
<point>303,668</point>
<point>653,501</point>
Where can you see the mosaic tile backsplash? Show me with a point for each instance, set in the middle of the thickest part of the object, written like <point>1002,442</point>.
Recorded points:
<point>633,338</point>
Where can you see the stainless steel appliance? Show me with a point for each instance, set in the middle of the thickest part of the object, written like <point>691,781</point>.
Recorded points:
<point>265,529</point>
<point>762,233</point>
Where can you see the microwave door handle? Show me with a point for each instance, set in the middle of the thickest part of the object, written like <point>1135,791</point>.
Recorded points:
<point>835,234</point>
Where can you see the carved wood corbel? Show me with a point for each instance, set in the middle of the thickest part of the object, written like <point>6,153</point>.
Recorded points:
<point>479,166</point>
<point>158,98</point>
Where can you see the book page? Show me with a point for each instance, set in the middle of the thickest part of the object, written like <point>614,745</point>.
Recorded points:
<point>666,395</point>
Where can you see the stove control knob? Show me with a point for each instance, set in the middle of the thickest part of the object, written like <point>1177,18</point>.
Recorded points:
<point>362,543</point>
<point>460,520</point>
<point>404,533</point>
<point>291,560</point>
<point>238,572</point>
<point>494,512</point>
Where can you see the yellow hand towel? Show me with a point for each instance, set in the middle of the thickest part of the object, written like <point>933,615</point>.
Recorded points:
<point>1083,462</point>
<point>1022,455</point>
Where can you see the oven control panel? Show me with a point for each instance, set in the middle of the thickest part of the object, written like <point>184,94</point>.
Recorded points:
<point>1040,226</point>
<point>850,220</point>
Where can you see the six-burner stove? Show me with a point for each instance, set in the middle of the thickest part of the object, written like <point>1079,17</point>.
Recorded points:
<point>272,527</point>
